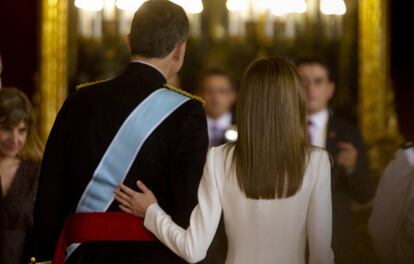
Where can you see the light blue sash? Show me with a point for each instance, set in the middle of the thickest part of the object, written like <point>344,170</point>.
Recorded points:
<point>121,153</point>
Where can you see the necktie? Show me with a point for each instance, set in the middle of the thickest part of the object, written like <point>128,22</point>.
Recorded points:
<point>215,135</point>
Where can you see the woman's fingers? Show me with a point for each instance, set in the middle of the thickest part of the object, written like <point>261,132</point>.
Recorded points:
<point>135,209</point>
<point>123,198</point>
<point>122,194</point>
<point>142,187</point>
<point>133,202</point>
<point>125,209</point>
<point>147,192</point>
<point>127,190</point>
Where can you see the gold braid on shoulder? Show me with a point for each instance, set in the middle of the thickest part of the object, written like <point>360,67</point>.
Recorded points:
<point>181,91</point>
<point>82,85</point>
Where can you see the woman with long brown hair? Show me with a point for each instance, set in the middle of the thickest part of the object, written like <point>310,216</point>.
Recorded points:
<point>272,186</point>
<point>20,153</point>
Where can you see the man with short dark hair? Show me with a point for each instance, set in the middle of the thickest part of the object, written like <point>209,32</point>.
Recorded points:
<point>121,130</point>
<point>351,180</point>
<point>216,88</point>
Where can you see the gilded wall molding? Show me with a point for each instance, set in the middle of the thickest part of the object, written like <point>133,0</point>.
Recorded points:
<point>53,61</point>
<point>378,120</point>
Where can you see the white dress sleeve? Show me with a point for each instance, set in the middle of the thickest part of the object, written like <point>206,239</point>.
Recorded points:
<point>319,223</point>
<point>190,244</point>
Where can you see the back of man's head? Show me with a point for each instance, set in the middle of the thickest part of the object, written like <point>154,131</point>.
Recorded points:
<point>157,27</point>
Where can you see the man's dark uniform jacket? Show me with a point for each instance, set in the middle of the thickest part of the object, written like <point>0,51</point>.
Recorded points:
<point>346,187</point>
<point>170,163</point>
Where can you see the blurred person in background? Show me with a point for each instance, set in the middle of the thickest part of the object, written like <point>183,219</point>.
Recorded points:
<point>351,178</point>
<point>391,224</point>
<point>20,155</point>
<point>216,88</point>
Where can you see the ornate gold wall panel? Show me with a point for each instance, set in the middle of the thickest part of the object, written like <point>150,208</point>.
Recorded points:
<point>53,56</point>
<point>377,117</point>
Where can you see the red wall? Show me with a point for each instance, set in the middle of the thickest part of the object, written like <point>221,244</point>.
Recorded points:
<point>19,43</point>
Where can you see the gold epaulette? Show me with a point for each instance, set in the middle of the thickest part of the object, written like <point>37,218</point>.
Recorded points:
<point>33,261</point>
<point>185,93</point>
<point>82,85</point>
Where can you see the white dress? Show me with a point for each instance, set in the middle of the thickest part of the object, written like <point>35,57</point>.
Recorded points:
<point>258,231</point>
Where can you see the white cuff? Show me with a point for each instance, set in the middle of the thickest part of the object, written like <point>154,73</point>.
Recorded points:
<point>151,216</point>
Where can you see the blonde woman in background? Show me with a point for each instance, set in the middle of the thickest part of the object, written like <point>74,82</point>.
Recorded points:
<point>273,187</point>
<point>20,154</point>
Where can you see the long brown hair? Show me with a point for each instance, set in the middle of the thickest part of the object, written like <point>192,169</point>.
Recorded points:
<point>15,107</point>
<point>271,153</point>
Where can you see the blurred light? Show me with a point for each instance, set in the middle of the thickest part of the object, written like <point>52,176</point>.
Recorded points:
<point>193,6</point>
<point>264,4</point>
<point>237,5</point>
<point>280,7</point>
<point>298,6</point>
<point>90,5</point>
<point>109,9</point>
<point>231,134</point>
<point>129,5</point>
<point>333,7</point>
<point>190,6</point>
<point>178,2</point>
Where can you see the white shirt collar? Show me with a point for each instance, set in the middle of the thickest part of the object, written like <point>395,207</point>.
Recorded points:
<point>149,64</point>
<point>223,122</point>
<point>319,119</point>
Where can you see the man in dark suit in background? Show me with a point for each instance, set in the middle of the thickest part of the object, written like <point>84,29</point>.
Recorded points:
<point>216,88</point>
<point>170,161</point>
<point>351,180</point>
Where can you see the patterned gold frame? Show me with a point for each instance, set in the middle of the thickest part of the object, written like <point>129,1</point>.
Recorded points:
<point>53,56</point>
<point>378,120</point>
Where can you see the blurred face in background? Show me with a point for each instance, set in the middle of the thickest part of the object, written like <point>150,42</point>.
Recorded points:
<point>319,89</point>
<point>12,139</point>
<point>218,92</point>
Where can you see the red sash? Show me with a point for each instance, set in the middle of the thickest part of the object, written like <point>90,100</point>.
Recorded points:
<point>108,226</point>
